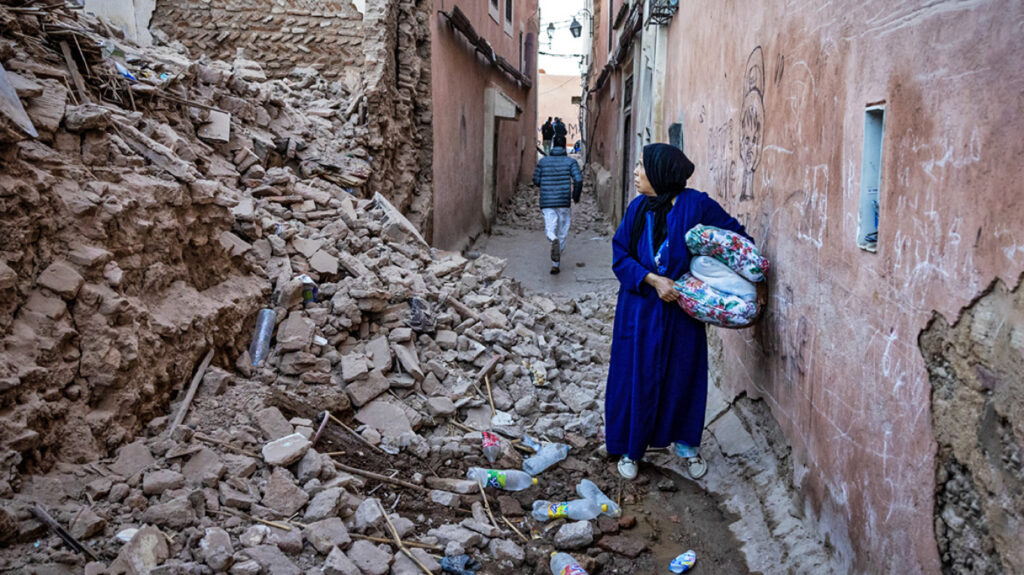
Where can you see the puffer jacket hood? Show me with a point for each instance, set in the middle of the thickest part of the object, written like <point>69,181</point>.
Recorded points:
<point>559,177</point>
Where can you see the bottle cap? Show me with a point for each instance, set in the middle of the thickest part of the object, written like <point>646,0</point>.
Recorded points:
<point>535,481</point>
<point>604,507</point>
<point>553,553</point>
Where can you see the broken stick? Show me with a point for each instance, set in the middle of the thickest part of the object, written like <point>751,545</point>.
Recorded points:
<point>379,477</point>
<point>71,542</point>
<point>490,396</point>
<point>225,444</point>
<point>463,310</point>
<point>487,368</point>
<point>407,543</point>
<point>487,506</point>
<point>353,432</point>
<point>510,524</point>
<point>196,380</point>
<point>398,541</point>
<point>76,76</point>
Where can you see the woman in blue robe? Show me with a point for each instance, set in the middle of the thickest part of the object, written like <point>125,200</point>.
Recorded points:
<point>658,374</point>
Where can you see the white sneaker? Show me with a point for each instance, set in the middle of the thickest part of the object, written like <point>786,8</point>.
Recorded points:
<point>697,467</point>
<point>627,468</point>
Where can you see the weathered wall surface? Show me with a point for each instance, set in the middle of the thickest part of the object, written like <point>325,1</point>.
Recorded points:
<point>554,99</point>
<point>281,35</point>
<point>397,78</point>
<point>975,368</point>
<point>460,81</point>
<point>604,114</point>
<point>772,98</point>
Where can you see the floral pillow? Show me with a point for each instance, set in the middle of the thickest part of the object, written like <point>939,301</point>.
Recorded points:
<point>730,248</point>
<point>706,304</point>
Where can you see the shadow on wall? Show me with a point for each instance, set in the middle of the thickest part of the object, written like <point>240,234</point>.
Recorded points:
<point>977,407</point>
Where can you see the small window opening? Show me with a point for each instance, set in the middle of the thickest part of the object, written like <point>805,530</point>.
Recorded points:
<point>871,178</point>
<point>675,135</point>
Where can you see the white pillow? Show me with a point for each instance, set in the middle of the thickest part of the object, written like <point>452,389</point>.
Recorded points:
<point>722,278</point>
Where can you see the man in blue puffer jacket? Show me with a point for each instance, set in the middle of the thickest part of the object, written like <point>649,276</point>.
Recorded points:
<point>561,182</point>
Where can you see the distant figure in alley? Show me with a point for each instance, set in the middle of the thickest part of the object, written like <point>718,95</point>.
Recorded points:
<point>658,374</point>
<point>561,183</point>
<point>547,132</point>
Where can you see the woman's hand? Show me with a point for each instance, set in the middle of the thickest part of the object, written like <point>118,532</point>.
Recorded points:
<point>664,286</point>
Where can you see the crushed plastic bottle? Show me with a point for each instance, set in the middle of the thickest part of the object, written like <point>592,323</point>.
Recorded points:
<point>492,446</point>
<point>531,443</point>
<point>548,455</point>
<point>577,510</point>
<point>261,335</point>
<point>507,479</point>
<point>564,564</point>
<point>588,490</point>
<point>683,563</point>
<point>310,291</point>
<point>460,565</point>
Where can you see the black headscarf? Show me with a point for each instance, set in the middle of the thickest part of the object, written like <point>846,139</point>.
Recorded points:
<point>667,169</point>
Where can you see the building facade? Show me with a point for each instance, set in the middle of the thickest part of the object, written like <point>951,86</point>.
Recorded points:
<point>485,114</point>
<point>871,148</point>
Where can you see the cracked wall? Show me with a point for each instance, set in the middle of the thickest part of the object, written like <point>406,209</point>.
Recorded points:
<point>975,366</point>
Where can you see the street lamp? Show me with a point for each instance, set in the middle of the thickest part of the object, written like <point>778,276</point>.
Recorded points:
<point>551,31</point>
<point>576,28</point>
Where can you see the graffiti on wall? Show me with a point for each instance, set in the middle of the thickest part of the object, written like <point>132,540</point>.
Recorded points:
<point>752,121</point>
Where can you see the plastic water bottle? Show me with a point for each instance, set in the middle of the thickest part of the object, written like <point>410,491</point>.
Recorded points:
<point>548,455</point>
<point>564,564</point>
<point>683,563</point>
<point>577,510</point>
<point>507,479</point>
<point>261,336</point>
<point>588,490</point>
<point>492,446</point>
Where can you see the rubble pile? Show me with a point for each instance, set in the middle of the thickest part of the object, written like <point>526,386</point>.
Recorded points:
<point>128,180</point>
<point>146,224</point>
<point>521,211</point>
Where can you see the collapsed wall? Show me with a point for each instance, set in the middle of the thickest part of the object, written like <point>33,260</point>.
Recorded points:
<point>322,34</point>
<point>126,225</point>
<point>398,103</point>
<point>388,70</point>
<point>977,411</point>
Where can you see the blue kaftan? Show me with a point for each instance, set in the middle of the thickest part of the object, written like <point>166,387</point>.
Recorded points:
<point>658,375</point>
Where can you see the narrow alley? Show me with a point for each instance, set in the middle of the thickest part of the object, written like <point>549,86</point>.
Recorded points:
<point>308,287</point>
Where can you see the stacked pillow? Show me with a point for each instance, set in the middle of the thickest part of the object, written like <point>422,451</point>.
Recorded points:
<point>719,289</point>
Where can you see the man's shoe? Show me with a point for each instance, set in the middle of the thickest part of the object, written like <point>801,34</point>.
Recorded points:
<point>556,254</point>
<point>555,270</point>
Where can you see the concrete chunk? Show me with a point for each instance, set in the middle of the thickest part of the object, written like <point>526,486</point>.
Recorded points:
<point>286,450</point>
<point>62,279</point>
<point>326,534</point>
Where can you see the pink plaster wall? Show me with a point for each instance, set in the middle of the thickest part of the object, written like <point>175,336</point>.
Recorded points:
<point>459,79</point>
<point>837,355</point>
<point>604,113</point>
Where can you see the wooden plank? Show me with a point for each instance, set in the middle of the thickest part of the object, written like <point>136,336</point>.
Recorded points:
<point>191,391</point>
<point>76,76</point>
